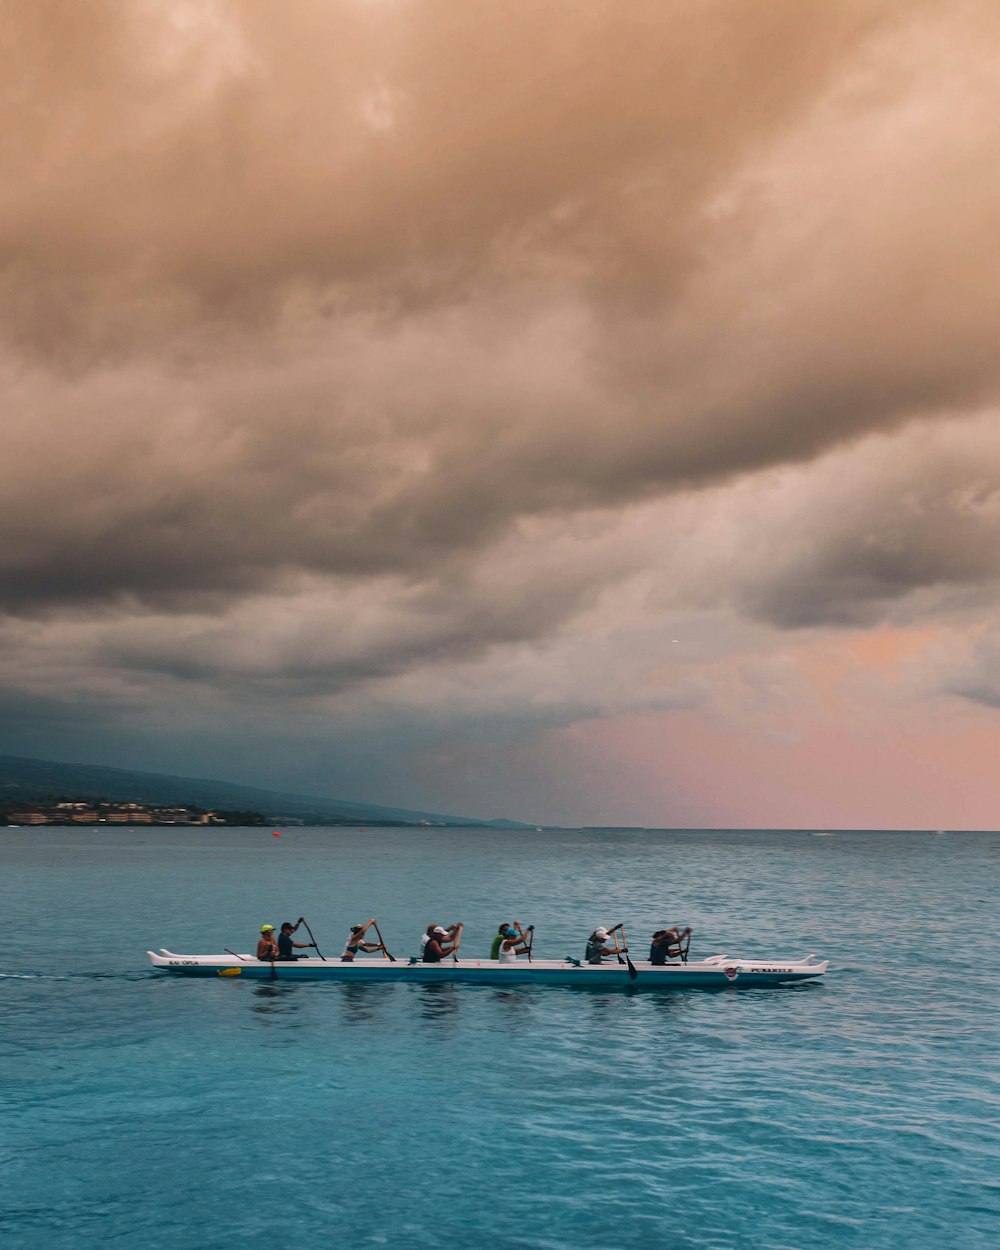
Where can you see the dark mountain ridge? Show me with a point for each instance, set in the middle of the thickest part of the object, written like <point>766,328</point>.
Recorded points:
<point>26,781</point>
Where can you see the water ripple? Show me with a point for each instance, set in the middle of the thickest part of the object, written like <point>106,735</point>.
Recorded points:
<point>141,1112</point>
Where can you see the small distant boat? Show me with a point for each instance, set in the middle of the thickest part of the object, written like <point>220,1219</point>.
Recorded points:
<point>716,971</point>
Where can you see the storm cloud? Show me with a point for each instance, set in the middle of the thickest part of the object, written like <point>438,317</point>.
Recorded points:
<point>418,352</point>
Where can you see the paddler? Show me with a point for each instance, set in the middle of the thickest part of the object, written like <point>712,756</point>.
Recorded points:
<point>285,943</point>
<point>356,942</point>
<point>501,934</point>
<point>267,947</point>
<point>597,951</point>
<point>495,944</point>
<point>512,942</point>
<point>439,942</point>
<point>669,944</point>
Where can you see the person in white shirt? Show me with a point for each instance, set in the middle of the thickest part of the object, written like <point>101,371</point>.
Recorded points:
<point>356,942</point>
<point>512,943</point>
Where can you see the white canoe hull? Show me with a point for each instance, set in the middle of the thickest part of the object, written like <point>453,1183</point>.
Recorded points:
<point>718,971</point>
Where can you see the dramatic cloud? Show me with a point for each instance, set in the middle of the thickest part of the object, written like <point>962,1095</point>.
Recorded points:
<point>383,365</point>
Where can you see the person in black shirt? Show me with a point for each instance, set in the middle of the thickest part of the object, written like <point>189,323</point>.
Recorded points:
<point>669,944</point>
<point>285,943</point>
<point>440,942</point>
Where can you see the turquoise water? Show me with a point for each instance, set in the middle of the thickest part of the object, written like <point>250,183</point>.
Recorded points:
<point>139,1110</point>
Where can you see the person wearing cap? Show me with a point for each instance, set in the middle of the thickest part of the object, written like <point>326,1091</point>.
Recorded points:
<point>495,944</point>
<point>267,947</point>
<point>596,950</point>
<point>439,942</point>
<point>501,934</point>
<point>512,941</point>
<point>425,937</point>
<point>356,942</point>
<point>285,943</point>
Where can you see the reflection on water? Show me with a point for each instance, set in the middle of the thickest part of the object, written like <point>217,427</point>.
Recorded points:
<point>512,999</point>
<point>438,1003</point>
<point>275,1000</point>
<point>360,1000</point>
<point>671,1005</point>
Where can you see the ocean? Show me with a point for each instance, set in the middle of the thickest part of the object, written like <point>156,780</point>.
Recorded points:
<point>141,1110</point>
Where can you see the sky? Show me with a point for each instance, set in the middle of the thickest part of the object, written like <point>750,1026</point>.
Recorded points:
<point>577,413</point>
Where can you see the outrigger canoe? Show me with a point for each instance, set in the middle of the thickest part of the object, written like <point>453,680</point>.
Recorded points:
<point>718,970</point>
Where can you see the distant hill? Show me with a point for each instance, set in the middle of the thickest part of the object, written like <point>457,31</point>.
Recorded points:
<point>27,781</point>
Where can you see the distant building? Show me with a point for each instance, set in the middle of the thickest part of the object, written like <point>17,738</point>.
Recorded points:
<point>173,815</point>
<point>113,813</point>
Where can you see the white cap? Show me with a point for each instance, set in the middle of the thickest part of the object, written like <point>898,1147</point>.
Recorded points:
<point>443,932</point>
<point>601,933</point>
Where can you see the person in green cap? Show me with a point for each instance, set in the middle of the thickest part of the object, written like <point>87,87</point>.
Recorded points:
<point>267,947</point>
<point>356,942</point>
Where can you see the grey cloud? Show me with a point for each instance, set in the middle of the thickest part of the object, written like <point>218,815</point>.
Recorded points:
<point>317,638</point>
<point>978,677</point>
<point>892,529</point>
<point>355,290</point>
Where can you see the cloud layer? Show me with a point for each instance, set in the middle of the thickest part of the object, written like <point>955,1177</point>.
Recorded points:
<point>382,364</point>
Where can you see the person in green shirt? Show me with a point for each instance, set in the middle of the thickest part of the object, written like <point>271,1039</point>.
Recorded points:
<point>495,947</point>
<point>506,930</point>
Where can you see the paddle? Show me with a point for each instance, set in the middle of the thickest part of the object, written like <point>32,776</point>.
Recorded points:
<point>458,942</point>
<point>302,920</point>
<point>531,942</point>
<point>233,953</point>
<point>632,971</point>
<point>385,953</point>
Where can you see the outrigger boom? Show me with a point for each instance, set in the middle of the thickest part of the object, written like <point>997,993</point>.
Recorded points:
<point>716,971</point>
